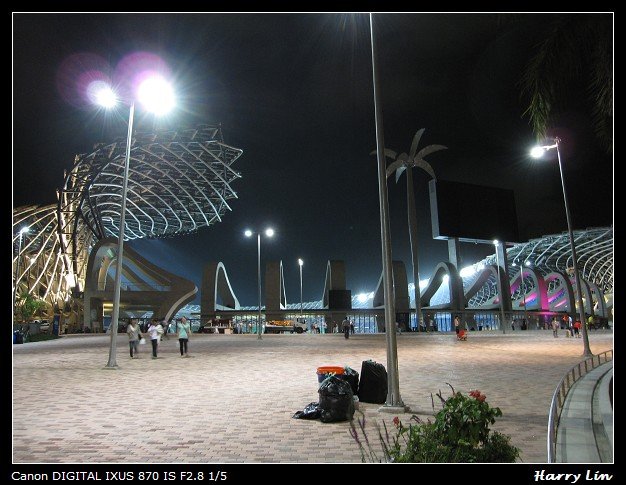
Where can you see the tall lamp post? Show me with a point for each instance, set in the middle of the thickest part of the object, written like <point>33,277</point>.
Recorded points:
<point>156,95</point>
<point>23,231</point>
<point>496,243</point>
<point>394,401</point>
<point>521,269</point>
<point>537,152</point>
<point>269,233</point>
<point>523,286</point>
<point>300,263</point>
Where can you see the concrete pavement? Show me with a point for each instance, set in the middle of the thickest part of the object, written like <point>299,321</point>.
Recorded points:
<point>233,401</point>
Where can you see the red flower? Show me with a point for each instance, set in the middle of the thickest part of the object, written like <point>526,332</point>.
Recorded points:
<point>396,422</point>
<point>479,396</point>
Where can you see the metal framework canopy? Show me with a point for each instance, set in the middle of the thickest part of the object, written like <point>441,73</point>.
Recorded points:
<point>179,181</point>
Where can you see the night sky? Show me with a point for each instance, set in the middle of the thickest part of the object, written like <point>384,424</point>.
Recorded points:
<point>294,91</point>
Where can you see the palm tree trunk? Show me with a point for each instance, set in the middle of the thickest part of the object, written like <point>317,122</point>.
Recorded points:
<point>410,198</point>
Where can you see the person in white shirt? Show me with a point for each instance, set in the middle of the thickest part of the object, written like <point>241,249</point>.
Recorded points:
<point>153,331</point>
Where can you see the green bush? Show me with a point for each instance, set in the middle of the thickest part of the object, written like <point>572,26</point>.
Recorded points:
<point>29,306</point>
<point>41,337</point>
<point>459,434</point>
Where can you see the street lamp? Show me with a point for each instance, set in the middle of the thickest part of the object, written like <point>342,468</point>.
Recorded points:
<point>300,263</point>
<point>527,263</point>
<point>523,285</point>
<point>496,243</point>
<point>537,152</point>
<point>269,233</point>
<point>156,95</point>
<point>21,233</point>
<point>394,401</point>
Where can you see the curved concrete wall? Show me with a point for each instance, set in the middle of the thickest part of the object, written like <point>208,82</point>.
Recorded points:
<point>150,287</point>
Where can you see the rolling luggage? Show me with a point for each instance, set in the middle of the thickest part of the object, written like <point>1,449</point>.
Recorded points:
<point>373,383</point>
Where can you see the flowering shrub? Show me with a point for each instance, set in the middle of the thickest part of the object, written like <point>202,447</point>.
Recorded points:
<point>465,420</point>
<point>459,434</point>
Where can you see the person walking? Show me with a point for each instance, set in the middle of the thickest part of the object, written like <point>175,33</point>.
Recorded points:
<point>184,334</point>
<point>153,331</point>
<point>577,327</point>
<point>160,329</point>
<point>164,329</point>
<point>346,327</point>
<point>134,335</point>
<point>555,327</point>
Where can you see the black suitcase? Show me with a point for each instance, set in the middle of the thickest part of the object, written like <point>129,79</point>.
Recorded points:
<point>373,383</point>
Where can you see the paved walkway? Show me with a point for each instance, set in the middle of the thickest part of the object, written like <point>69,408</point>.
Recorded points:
<point>234,400</point>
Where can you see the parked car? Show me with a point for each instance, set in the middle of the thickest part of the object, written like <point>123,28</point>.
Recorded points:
<point>44,325</point>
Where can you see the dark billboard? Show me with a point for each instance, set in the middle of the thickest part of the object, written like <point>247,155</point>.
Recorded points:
<point>340,299</point>
<point>473,213</point>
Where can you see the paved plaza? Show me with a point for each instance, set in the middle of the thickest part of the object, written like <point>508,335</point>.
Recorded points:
<point>233,401</point>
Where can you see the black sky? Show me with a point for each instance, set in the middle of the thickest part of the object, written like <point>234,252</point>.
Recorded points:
<point>294,91</point>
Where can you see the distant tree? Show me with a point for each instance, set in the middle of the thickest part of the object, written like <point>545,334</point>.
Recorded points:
<point>576,51</point>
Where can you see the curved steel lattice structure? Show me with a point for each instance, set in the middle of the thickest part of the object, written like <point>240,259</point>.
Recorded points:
<point>179,182</point>
<point>43,269</point>
<point>551,254</point>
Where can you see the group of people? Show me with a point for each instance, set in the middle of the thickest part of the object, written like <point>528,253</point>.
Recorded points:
<point>567,323</point>
<point>336,327</point>
<point>156,329</point>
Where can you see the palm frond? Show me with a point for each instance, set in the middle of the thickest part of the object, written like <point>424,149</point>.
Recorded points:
<point>600,91</point>
<point>388,153</point>
<point>575,47</point>
<point>416,141</point>
<point>425,166</point>
<point>400,171</point>
<point>398,164</point>
<point>428,150</point>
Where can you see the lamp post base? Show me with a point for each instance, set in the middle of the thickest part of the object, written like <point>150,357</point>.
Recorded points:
<point>393,409</point>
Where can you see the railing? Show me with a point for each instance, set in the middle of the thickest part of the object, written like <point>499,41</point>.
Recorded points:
<point>560,393</point>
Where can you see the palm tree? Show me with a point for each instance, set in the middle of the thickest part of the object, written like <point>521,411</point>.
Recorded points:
<point>29,306</point>
<point>579,48</point>
<point>402,163</point>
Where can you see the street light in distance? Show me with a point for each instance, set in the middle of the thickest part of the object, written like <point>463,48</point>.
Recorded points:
<point>300,263</point>
<point>269,232</point>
